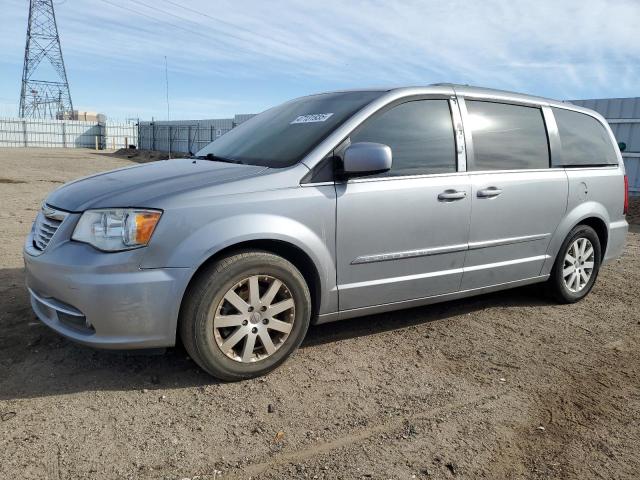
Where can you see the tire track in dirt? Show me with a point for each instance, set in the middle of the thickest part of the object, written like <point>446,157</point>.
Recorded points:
<point>355,438</point>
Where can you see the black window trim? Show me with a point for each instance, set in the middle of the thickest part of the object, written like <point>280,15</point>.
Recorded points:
<point>471,157</point>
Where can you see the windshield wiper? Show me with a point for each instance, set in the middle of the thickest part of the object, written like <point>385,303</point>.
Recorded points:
<point>216,158</point>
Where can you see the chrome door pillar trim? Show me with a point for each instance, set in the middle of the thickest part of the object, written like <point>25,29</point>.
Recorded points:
<point>461,151</point>
<point>555,146</point>
<point>468,138</point>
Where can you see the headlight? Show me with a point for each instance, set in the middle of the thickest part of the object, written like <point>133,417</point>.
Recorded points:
<point>116,228</point>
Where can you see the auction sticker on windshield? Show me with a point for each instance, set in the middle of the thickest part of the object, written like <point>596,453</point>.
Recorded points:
<point>316,117</point>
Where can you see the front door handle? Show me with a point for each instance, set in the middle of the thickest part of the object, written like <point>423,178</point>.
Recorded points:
<point>451,195</point>
<point>489,192</point>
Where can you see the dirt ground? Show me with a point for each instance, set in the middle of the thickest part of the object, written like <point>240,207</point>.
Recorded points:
<point>507,385</point>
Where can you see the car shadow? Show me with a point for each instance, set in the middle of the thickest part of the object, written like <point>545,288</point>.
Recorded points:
<point>530,295</point>
<point>37,362</point>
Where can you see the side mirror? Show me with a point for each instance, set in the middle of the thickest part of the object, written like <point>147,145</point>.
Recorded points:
<point>367,157</point>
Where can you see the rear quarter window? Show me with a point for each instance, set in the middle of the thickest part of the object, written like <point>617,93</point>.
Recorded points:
<point>585,142</point>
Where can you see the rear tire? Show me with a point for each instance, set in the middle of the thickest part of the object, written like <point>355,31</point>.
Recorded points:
<point>577,265</point>
<point>244,315</point>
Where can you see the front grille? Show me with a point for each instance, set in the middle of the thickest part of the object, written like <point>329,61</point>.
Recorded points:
<point>46,225</point>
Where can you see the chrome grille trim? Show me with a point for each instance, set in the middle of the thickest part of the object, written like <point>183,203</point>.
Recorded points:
<point>46,225</point>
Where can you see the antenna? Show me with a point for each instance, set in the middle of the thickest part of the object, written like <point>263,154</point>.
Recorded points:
<point>166,78</point>
<point>45,89</point>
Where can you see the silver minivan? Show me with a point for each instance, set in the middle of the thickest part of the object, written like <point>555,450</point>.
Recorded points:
<point>329,207</point>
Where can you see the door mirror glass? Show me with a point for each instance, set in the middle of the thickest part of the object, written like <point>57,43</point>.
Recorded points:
<point>367,157</point>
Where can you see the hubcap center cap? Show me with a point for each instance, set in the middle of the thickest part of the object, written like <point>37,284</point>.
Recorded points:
<point>255,318</point>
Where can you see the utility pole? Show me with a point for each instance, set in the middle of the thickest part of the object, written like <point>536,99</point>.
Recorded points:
<point>45,89</point>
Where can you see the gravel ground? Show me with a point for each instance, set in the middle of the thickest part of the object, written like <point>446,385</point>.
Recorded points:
<point>507,385</point>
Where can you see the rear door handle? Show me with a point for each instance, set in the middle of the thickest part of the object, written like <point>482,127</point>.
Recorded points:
<point>489,192</point>
<point>451,195</point>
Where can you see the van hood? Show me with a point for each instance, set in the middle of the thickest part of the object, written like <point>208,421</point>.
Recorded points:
<point>142,185</point>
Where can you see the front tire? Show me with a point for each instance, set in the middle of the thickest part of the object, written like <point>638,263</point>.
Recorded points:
<point>577,265</point>
<point>245,314</point>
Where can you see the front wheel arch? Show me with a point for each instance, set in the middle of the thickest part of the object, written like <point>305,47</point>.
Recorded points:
<point>196,325</point>
<point>283,249</point>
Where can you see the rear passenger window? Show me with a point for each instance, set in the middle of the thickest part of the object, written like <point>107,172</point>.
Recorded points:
<point>507,137</point>
<point>585,142</point>
<point>420,134</point>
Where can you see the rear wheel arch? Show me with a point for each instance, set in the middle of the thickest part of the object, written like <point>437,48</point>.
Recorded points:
<point>563,284</point>
<point>596,222</point>
<point>592,214</point>
<point>601,230</point>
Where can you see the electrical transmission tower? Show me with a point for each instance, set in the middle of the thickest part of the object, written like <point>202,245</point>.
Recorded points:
<point>45,89</point>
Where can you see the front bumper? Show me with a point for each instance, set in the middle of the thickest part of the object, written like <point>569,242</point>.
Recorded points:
<point>104,299</point>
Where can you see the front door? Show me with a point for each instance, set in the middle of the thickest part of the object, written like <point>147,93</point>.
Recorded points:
<point>403,234</point>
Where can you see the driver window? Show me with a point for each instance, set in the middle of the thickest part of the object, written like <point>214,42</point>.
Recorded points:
<point>420,134</point>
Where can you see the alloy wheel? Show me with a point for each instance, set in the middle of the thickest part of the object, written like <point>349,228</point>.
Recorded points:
<point>254,318</point>
<point>578,265</point>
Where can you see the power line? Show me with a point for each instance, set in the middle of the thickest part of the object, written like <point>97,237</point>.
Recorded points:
<point>219,20</point>
<point>175,25</point>
<point>191,31</point>
<point>166,12</point>
<point>155,19</point>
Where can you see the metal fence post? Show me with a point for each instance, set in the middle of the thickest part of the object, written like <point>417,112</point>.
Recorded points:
<point>102,132</point>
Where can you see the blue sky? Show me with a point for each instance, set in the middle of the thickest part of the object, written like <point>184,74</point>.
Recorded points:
<point>243,56</point>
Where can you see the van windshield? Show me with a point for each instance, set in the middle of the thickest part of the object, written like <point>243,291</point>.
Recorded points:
<point>283,135</point>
